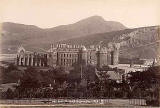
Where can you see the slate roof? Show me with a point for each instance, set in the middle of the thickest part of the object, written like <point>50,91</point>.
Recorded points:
<point>114,75</point>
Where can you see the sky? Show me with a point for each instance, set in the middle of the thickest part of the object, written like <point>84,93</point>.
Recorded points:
<point>51,13</point>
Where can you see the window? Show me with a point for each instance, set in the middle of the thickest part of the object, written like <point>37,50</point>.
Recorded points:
<point>61,62</point>
<point>64,62</point>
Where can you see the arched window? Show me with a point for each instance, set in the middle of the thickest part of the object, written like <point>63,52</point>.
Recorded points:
<point>22,51</point>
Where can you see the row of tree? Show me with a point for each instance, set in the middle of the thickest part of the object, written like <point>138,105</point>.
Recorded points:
<point>56,83</point>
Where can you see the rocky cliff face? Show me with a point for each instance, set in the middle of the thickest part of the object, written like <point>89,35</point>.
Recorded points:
<point>139,42</point>
<point>142,42</point>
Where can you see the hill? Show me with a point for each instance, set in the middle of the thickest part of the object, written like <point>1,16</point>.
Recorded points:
<point>138,42</point>
<point>14,34</point>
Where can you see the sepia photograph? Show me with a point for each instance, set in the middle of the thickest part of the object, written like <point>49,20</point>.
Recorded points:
<point>80,53</point>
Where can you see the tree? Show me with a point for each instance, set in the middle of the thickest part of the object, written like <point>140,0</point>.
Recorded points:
<point>11,67</point>
<point>142,81</point>
<point>9,94</point>
<point>30,79</point>
<point>10,74</point>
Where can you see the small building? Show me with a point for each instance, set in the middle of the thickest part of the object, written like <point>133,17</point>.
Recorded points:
<point>110,74</point>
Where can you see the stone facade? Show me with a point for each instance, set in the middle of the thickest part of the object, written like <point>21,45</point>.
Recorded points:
<point>68,55</point>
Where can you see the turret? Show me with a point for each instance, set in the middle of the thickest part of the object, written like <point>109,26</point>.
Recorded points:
<point>83,55</point>
<point>115,54</point>
<point>101,57</point>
